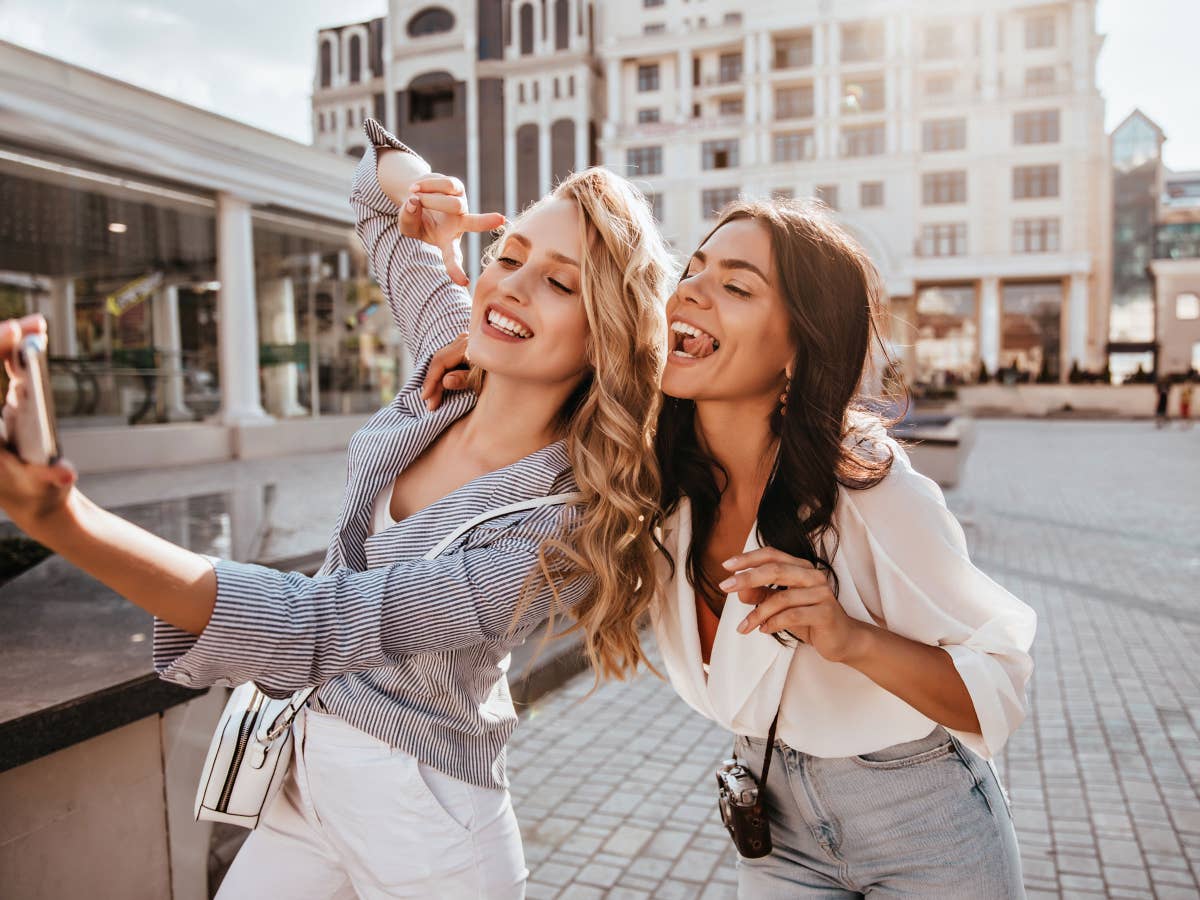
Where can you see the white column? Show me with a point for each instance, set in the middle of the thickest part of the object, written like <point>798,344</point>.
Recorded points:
<point>474,191</point>
<point>545,173</point>
<point>750,155</point>
<point>582,134</point>
<point>237,319</point>
<point>1081,51</point>
<point>510,167</point>
<point>613,120</point>
<point>61,321</point>
<point>989,31</point>
<point>281,383</point>
<point>683,62</point>
<point>989,324</point>
<point>1077,321</point>
<point>165,322</point>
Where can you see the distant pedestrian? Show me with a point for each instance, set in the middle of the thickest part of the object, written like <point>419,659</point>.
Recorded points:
<point>1185,404</point>
<point>1160,409</point>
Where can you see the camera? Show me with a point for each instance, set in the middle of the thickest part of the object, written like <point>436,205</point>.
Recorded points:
<point>742,813</point>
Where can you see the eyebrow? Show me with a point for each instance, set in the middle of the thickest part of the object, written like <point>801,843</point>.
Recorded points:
<point>734,264</point>
<point>553,254</point>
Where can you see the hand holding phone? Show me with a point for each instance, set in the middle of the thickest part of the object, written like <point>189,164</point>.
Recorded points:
<point>29,421</point>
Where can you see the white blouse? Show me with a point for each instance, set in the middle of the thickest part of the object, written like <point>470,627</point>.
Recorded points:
<point>902,563</point>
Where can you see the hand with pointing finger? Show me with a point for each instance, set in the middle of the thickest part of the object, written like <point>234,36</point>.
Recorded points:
<point>436,212</point>
<point>792,595</point>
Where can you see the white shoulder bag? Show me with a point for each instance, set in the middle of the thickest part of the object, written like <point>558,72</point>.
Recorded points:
<point>252,747</point>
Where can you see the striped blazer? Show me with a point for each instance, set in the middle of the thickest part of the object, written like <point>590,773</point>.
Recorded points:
<point>411,651</point>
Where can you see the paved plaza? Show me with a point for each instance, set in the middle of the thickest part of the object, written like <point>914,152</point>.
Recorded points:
<point>1097,526</point>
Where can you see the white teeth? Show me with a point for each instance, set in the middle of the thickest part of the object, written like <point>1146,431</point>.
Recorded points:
<point>685,328</point>
<point>507,325</point>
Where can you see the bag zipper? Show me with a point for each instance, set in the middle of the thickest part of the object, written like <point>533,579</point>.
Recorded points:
<point>244,734</point>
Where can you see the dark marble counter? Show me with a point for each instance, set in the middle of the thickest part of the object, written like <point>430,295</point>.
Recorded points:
<point>74,656</point>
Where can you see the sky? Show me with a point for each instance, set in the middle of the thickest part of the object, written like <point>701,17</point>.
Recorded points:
<point>258,68</point>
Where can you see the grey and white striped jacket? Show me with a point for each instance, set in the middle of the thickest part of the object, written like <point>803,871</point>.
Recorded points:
<point>411,651</point>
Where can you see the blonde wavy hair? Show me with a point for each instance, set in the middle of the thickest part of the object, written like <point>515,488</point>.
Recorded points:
<point>625,272</point>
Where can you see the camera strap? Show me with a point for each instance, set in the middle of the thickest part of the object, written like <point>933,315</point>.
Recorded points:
<point>766,767</point>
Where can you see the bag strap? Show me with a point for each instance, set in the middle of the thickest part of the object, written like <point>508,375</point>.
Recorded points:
<point>573,497</point>
<point>284,719</point>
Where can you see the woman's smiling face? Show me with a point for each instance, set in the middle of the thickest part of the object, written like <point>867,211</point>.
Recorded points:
<point>730,336</point>
<point>528,319</point>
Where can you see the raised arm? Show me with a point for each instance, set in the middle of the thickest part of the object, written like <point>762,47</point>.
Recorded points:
<point>396,203</point>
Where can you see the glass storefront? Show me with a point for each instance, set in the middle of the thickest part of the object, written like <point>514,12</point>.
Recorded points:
<point>947,336</point>
<point>125,271</point>
<point>1031,331</point>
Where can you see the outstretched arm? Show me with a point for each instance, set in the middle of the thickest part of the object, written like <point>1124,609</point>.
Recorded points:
<point>410,222</point>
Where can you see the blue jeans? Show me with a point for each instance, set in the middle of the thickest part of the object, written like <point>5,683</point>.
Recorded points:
<point>924,819</point>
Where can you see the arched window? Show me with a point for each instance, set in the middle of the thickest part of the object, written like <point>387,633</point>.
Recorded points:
<point>326,64</point>
<point>526,29</point>
<point>355,59</point>
<point>433,20</point>
<point>507,25</point>
<point>562,27</point>
<point>431,97</point>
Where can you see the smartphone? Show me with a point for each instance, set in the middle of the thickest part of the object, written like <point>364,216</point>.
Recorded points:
<point>33,433</point>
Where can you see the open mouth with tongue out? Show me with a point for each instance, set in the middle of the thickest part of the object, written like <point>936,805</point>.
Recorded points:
<point>690,342</point>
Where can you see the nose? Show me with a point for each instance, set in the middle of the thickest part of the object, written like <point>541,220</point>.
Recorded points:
<point>515,285</point>
<point>692,292</point>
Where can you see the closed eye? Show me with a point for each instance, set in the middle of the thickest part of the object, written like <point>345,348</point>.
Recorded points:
<point>561,287</point>
<point>508,261</point>
<point>737,290</point>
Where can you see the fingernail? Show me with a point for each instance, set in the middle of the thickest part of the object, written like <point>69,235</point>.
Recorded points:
<point>744,626</point>
<point>429,404</point>
<point>729,563</point>
<point>727,584</point>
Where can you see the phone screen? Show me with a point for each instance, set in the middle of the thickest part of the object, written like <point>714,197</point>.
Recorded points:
<point>33,357</point>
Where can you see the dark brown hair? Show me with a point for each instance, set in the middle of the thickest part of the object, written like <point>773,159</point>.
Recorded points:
<point>829,435</point>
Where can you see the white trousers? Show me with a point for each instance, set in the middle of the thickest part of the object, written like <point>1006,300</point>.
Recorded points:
<point>357,818</point>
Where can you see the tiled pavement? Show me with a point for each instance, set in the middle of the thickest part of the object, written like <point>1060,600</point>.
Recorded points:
<point>1097,526</point>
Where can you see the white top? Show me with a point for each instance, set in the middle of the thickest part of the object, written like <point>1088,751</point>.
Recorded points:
<point>381,510</point>
<point>901,562</point>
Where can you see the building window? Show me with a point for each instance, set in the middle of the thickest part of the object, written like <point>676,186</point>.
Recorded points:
<point>794,102</point>
<point>862,42</point>
<point>380,102</point>
<point>794,51</point>
<point>1040,80</point>
<point>557,93</point>
<point>355,59</point>
<point>537,93</point>
<point>656,205</point>
<point>719,154</point>
<point>731,106</point>
<point>1031,329</point>
<point>1037,127</point>
<point>654,28</point>
<point>732,18</point>
<point>650,4</point>
<point>729,68</point>
<point>793,146</point>
<point>320,122</point>
<point>944,240</point>
<point>526,27</point>
<point>944,187</point>
<point>434,20</point>
<point>350,118</point>
<point>647,77</point>
<point>943,134</point>
<point>562,27</point>
<point>646,116</point>
<point>864,140</point>
<point>713,200</point>
<point>1187,306</point>
<point>1039,31</point>
<point>827,194</point>
<point>938,42</point>
<point>870,193</point>
<point>326,64</point>
<point>947,335</point>
<point>520,92</point>
<point>1035,236</point>
<point>1035,181</point>
<point>939,86</point>
<point>644,160</point>
<point>431,97</point>
<point>570,85</point>
<point>863,95</point>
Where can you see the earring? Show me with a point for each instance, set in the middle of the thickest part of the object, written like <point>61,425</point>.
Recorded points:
<point>783,398</point>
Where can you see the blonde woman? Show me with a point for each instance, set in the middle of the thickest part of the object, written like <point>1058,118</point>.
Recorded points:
<point>398,787</point>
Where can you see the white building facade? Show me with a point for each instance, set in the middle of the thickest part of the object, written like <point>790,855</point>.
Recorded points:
<point>965,150</point>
